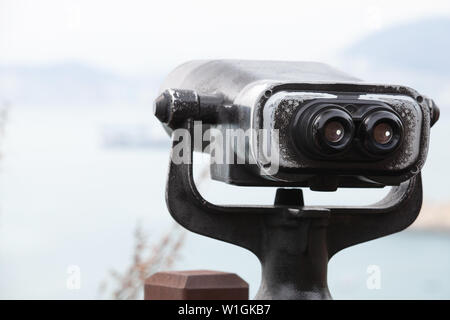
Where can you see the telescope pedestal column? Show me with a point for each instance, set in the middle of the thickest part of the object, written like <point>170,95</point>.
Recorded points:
<point>294,255</point>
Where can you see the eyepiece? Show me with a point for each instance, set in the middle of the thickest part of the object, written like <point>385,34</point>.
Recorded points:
<point>323,131</point>
<point>332,130</point>
<point>381,132</point>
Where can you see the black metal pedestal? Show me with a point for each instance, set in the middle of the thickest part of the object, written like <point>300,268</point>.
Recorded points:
<point>294,253</point>
<point>293,242</point>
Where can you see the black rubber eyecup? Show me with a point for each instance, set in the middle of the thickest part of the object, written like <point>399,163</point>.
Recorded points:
<point>324,131</point>
<point>372,128</point>
<point>332,130</point>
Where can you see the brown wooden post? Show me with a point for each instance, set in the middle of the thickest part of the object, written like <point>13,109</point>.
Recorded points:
<point>195,285</point>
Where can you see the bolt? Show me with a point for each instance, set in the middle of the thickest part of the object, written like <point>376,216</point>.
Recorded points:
<point>161,107</point>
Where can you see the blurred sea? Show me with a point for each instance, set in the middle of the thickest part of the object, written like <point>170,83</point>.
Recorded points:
<point>65,200</point>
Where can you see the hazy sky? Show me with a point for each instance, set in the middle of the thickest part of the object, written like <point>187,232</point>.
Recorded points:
<point>136,35</point>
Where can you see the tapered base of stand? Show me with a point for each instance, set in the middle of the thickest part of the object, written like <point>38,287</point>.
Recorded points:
<point>294,257</point>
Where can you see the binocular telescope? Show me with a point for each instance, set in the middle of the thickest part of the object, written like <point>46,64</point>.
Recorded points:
<point>324,128</point>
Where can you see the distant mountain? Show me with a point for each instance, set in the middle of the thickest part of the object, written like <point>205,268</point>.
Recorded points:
<point>416,54</point>
<point>422,45</point>
<point>73,84</point>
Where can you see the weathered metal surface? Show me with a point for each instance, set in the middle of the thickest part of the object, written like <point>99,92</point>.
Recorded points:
<point>240,92</point>
<point>195,285</point>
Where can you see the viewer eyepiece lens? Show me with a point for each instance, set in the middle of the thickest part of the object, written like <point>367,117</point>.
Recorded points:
<point>334,131</point>
<point>381,132</point>
<point>324,130</point>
